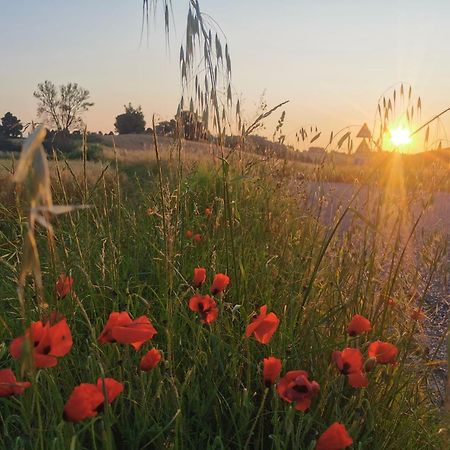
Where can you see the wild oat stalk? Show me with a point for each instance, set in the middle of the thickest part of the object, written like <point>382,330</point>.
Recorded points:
<point>33,166</point>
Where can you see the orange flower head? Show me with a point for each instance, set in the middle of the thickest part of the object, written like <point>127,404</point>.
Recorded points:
<point>189,234</point>
<point>263,326</point>
<point>208,212</point>
<point>63,285</point>
<point>295,388</point>
<point>150,211</point>
<point>197,238</point>
<point>150,360</point>
<point>9,385</point>
<point>199,277</point>
<point>335,437</point>
<point>220,283</point>
<point>47,343</point>
<point>358,325</point>
<point>350,363</point>
<point>121,328</point>
<point>205,306</point>
<point>271,370</point>
<point>383,352</point>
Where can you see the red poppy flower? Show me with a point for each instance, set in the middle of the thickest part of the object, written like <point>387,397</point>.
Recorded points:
<point>208,212</point>
<point>197,237</point>
<point>271,370</point>
<point>205,306</point>
<point>150,360</point>
<point>63,285</point>
<point>350,363</point>
<point>111,387</point>
<point>391,302</point>
<point>121,328</point>
<point>295,388</point>
<point>335,437</point>
<point>358,325</point>
<point>150,211</point>
<point>87,399</point>
<point>9,385</point>
<point>199,276</point>
<point>264,326</point>
<point>220,283</point>
<point>189,234</point>
<point>47,342</point>
<point>384,352</point>
<point>83,402</point>
<point>418,314</point>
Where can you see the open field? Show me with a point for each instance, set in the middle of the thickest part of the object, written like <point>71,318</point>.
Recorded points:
<point>274,231</point>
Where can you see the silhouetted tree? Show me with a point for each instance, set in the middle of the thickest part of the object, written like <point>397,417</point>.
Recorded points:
<point>62,107</point>
<point>132,121</point>
<point>11,126</point>
<point>166,127</point>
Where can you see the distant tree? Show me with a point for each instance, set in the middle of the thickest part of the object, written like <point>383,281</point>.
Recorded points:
<point>194,129</point>
<point>132,121</point>
<point>62,107</point>
<point>166,128</point>
<point>11,126</point>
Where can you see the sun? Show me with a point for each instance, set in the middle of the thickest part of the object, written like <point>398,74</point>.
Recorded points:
<point>400,136</point>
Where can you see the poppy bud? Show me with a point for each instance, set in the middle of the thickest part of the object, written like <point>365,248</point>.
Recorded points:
<point>271,370</point>
<point>370,364</point>
<point>63,285</point>
<point>199,276</point>
<point>418,315</point>
<point>391,302</point>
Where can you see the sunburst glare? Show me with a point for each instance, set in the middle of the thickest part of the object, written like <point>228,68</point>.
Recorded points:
<point>400,136</point>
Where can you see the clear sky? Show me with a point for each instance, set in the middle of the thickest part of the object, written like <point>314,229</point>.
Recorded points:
<point>332,59</point>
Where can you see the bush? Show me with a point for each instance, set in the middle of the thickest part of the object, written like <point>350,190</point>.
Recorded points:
<point>10,145</point>
<point>70,146</point>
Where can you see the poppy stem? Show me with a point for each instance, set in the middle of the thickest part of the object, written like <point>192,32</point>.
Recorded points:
<point>261,407</point>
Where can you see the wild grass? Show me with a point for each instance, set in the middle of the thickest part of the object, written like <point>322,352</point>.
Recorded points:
<point>208,392</point>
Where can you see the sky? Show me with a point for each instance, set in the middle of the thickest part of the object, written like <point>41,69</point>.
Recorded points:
<point>331,59</point>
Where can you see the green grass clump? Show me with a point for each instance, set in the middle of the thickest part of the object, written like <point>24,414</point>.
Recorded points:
<point>208,391</point>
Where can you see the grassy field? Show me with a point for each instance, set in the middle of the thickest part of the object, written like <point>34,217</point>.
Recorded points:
<point>134,250</point>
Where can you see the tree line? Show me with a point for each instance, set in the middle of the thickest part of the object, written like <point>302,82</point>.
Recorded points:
<point>61,108</point>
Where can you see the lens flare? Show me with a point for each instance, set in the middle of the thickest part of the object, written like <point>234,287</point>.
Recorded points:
<point>400,136</point>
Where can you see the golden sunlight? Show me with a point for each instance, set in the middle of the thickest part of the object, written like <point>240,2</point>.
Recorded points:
<point>400,136</point>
